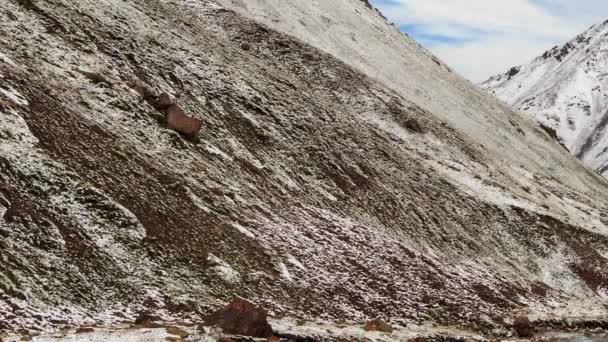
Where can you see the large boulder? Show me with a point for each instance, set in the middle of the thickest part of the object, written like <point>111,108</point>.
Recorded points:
<point>242,317</point>
<point>523,327</point>
<point>177,120</point>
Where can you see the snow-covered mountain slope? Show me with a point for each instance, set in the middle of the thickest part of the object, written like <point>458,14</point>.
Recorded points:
<point>566,91</point>
<point>361,37</point>
<point>343,173</point>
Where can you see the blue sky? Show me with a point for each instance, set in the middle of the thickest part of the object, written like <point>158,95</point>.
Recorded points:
<point>480,38</point>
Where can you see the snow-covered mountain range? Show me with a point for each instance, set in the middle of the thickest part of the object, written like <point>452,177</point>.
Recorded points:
<point>566,91</point>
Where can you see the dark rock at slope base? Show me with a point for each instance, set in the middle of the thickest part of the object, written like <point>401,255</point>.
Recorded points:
<point>379,325</point>
<point>145,318</point>
<point>242,317</point>
<point>523,327</point>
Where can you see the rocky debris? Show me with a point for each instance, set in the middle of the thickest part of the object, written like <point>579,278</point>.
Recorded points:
<point>147,319</point>
<point>175,330</point>
<point>246,46</point>
<point>94,77</point>
<point>295,337</point>
<point>378,325</point>
<point>145,92</point>
<point>523,327</point>
<point>242,317</point>
<point>244,339</point>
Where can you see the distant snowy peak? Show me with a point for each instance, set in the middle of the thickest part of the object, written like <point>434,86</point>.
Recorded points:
<point>566,91</point>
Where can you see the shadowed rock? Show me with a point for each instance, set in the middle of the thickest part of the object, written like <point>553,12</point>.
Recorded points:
<point>523,327</point>
<point>242,317</point>
<point>414,126</point>
<point>164,101</point>
<point>147,319</point>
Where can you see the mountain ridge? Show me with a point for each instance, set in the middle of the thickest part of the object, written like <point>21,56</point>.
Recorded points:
<point>565,90</point>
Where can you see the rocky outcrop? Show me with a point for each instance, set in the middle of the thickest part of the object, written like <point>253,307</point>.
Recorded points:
<point>176,118</point>
<point>242,317</point>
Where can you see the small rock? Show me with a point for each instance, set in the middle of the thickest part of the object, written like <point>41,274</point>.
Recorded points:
<point>85,330</point>
<point>523,327</point>
<point>242,317</point>
<point>413,125</point>
<point>131,56</point>
<point>94,77</point>
<point>378,325</point>
<point>174,330</point>
<point>246,46</point>
<point>145,318</point>
<point>165,101</point>
<point>59,322</point>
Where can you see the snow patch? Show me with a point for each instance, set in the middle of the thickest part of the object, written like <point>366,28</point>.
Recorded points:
<point>216,151</point>
<point>243,230</point>
<point>285,272</point>
<point>13,95</point>
<point>197,201</point>
<point>223,269</point>
<point>7,60</point>
<point>292,260</point>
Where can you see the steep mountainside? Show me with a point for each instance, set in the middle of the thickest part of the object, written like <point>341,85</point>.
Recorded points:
<point>566,90</point>
<point>331,182</point>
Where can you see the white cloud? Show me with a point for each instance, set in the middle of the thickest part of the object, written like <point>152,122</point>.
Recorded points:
<point>480,38</point>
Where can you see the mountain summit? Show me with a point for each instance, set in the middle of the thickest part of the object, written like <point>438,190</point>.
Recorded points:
<point>566,91</point>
